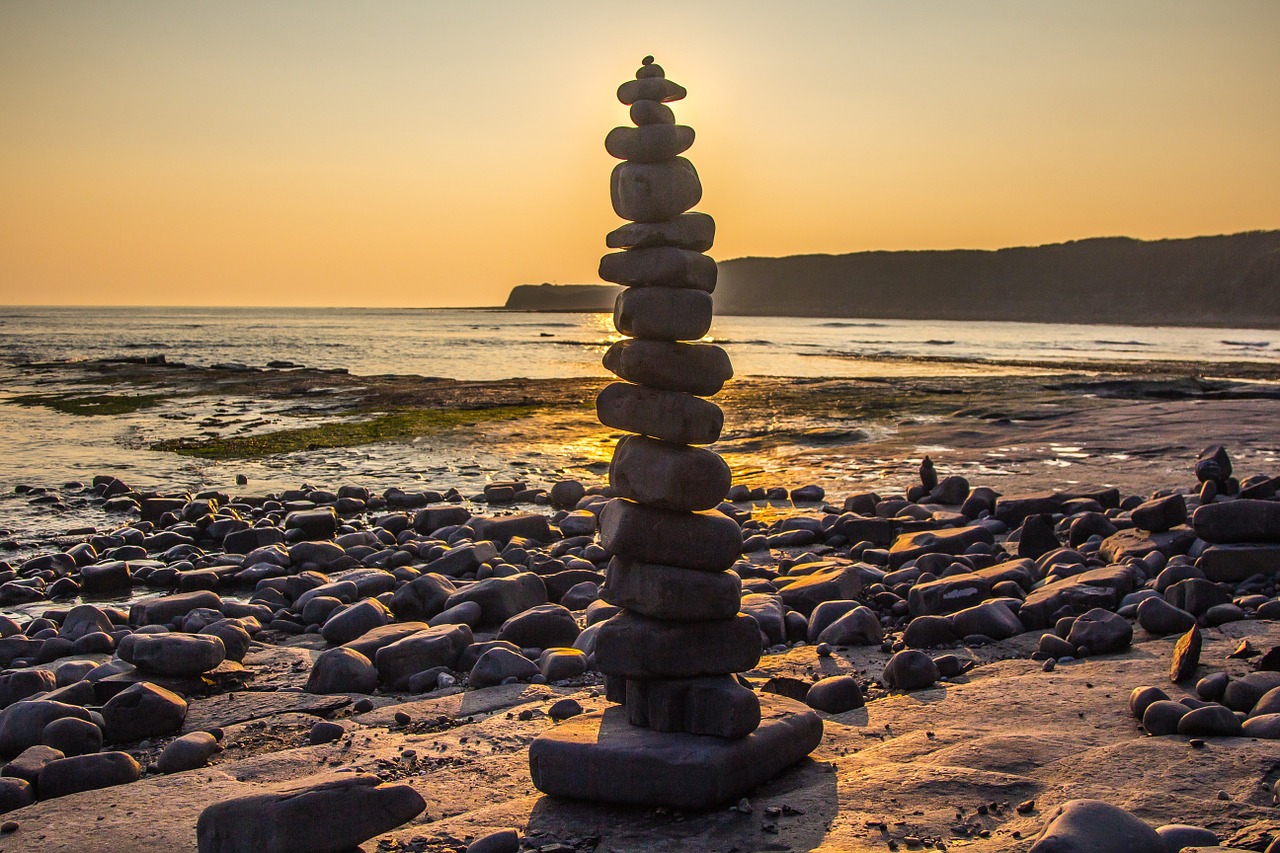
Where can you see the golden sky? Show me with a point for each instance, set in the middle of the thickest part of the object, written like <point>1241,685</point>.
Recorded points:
<point>431,154</point>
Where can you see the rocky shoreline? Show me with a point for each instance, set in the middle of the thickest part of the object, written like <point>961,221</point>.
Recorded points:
<point>972,651</point>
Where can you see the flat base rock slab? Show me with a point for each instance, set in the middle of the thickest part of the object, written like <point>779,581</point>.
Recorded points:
<point>602,758</point>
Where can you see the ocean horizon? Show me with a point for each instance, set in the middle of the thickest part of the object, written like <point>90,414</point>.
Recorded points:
<point>491,343</point>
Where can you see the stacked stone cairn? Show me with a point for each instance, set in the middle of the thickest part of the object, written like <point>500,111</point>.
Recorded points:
<point>671,655</point>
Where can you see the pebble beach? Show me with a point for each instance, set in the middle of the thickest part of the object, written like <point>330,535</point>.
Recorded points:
<point>970,629</point>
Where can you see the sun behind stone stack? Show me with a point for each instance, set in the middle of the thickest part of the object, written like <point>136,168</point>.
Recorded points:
<point>690,734</point>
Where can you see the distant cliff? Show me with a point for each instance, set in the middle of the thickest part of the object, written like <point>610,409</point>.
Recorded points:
<point>1228,280</point>
<point>562,297</point>
<point>1231,280</point>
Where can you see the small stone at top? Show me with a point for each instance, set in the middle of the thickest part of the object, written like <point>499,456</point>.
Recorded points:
<point>648,60</point>
<point>649,69</point>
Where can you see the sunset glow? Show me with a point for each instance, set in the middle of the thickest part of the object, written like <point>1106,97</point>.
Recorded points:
<point>431,154</point>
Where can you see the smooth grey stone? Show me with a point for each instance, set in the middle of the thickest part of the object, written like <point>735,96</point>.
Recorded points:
<point>344,591</point>
<point>657,89</point>
<point>505,841</point>
<point>84,619</point>
<point>671,592</point>
<point>651,112</point>
<point>1179,835</point>
<point>953,540</point>
<point>563,709</point>
<point>1097,588</point>
<point>313,524</point>
<point>693,230</point>
<point>910,670</point>
<point>342,670</point>
<point>1140,543</point>
<point>635,646</point>
<point>355,621</point>
<point>72,736</point>
<point>1238,521</point>
<point>543,627</point>
<point>581,595</point>
<point>87,773</point>
<point>251,539</point>
<point>654,192</point>
<point>473,652</point>
<point>663,313</point>
<point>500,598</point>
<point>1197,595</point>
<point>651,143</point>
<point>1157,616</point>
<point>1234,563</point>
<point>105,577</point>
<point>1268,703</point>
<point>769,613</point>
<point>69,672</point>
<point>1092,826</point>
<point>600,757</point>
<point>706,541</point>
<point>325,731</point>
<point>235,639</point>
<point>424,650</point>
<point>26,765</point>
<point>142,710</point>
<point>368,644</point>
<point>1210,721</point>
<point>1160,514</point>
<point>826,613</point>
<point>560,664</point>
<point>21,684</point>
<point>1142,698</point>
<point>924,632</point>
<point>1213,687</point>
<point>189,752</point>
<point>498,664</point>
<point>565,494</point>
<point>1243,693</point>
<point>1056,647</point>
<point>1264,726</point>
<point>467,613</point>
<point>816,583</point>
<point>422,597</point>
<point>991,619</point>
<point>1162,717</point>
<point>668,415</point>
<point>175,654</point>
<point>649,68</point>
<point>835,695</point>
<point>662,266</point>
<point>715,705</point>
<point>22,724</point>
<point>700,369</point>
<point>527,525</point>
<point>1221,614</point>
<point>162,611</point>
<point>331,817</point>
<point>581,522</point>
<point>667,475</point>
<point>858,627</point>
<point>1101,632</point>
<point>15,793</point>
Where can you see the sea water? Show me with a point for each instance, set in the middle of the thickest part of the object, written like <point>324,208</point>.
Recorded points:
<point>487,344</point>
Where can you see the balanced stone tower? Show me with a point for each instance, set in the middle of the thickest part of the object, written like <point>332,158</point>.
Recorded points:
<point>689,734</point>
